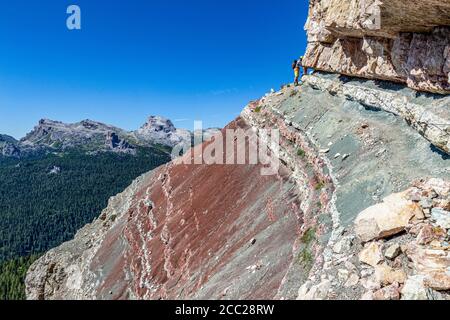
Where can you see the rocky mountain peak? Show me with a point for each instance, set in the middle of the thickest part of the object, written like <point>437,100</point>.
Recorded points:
<point>93,136</point>
<point>47,132</point>
<point>8,146</point>
<point>6,138</point>
<point>46,122</point>
<point>89,124</point>
<point>158,124</point>
<point>161,130</point>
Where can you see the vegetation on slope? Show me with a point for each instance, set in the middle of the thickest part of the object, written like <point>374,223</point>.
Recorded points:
<point>40,210</point>
<point>12,276</point>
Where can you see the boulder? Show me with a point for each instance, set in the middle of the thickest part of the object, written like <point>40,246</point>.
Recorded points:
<point>367,296</point>
<point>343,274</point>
<point>427,260</point>
<point>440,186</point>
<point>391,292</point>
<point>315,292</point>
<point>428,234</point>
<point>426,203</point>
<point>387,218</point>
<point>352,281</point>
<point>442,203</point>
<point>393,251</point>
<point>371,284</point>
<point>414,289</point>
<point>441,217</point>
<point>439,281</point>
<point>343,245</point>
<point>371,254</point>
<point>387,275</point>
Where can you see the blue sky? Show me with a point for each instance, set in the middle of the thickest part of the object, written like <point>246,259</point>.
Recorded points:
<point>183,59</point>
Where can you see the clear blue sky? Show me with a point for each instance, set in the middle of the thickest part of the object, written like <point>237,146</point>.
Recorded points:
<point>183,59</point>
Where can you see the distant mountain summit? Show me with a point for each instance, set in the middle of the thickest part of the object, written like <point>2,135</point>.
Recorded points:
<point>161,130</point>
<point>87,134</point>
<point>92,136</point>
<point>6,138</point>
<point>158,124</point>
<point>49,131</point>
<point>8,146</point>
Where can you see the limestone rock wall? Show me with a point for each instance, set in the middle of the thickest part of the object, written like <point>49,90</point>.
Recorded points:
<point>398,40</point>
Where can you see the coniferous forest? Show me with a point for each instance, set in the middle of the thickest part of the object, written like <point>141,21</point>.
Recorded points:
<point>45,200</point>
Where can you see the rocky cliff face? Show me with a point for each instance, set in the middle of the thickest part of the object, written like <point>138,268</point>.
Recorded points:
<point>401,41</point>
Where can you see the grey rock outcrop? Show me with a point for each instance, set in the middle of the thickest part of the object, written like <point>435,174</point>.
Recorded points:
<point>378,166</point>
<point>114,143</point>
<point>429,115</point>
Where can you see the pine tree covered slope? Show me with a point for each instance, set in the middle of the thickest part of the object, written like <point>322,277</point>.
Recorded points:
<point>44,201</point>
<point>12,275</point>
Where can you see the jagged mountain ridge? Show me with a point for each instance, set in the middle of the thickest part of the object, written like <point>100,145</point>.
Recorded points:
<point>49,134</point>
<point>95,136</point>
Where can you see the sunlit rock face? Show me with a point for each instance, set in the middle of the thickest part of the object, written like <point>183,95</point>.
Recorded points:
<point>401,41</point>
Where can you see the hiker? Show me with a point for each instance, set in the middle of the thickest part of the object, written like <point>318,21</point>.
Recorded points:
<point>296,69</point>
<point>296,65</point>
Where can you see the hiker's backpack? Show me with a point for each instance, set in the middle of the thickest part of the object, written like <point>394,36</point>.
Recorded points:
<point>295,64</point>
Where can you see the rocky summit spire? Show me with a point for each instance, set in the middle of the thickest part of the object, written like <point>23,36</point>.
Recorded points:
<point>158,124</point>
<point>161,130</point>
